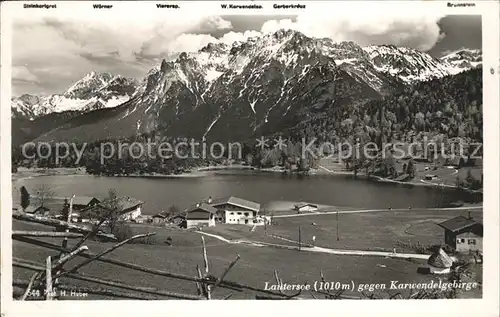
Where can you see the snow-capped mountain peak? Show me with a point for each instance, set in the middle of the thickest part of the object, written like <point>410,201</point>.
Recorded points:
<point>262,84</point>
<point>463,59</point>
<point>90,83</point>
<point>94,91</point>
<point>405,63</point>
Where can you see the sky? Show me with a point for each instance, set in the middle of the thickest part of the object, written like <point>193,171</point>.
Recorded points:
<point>50,54</point>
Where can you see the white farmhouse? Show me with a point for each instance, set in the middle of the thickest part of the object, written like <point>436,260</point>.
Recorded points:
<point>236,210</point>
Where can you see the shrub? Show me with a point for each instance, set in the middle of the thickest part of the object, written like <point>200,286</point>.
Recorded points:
<point>147,240</point>
<point>122,231</point>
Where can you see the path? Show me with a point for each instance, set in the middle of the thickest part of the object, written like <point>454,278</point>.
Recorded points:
<point>372,210</point>
<point>321,249</point>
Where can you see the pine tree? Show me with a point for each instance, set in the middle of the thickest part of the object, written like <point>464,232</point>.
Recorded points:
<point>25,198</point>
<point>65,210</point>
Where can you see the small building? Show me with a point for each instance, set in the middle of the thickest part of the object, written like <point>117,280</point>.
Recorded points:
<point>130,208</point>
<point>39,211</point>
<point>141,219</point>
<point>430,177</point>
<point>440,262</point>
<point>159,218</point>
<point>179,219</point>
<point>82,202</point>
<point>305,207</point>
<point>236,210</point>
<point>463,234</point>
<point>200,215</point>
<point>76,217</point>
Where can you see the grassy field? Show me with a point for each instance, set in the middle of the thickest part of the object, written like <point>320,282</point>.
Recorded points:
<point>369,231</point>
<point>255,267</point>
<point>364,231</point>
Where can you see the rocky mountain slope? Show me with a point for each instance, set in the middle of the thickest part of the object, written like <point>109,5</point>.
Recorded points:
<point>260,86</point>
<point>407,64</point>
<point>94,91</point>
<point>463,59</point>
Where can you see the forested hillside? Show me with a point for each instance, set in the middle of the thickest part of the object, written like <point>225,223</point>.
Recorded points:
<point>451,106</point>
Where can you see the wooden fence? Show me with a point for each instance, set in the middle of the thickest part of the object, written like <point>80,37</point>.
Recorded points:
<point>45,282</point>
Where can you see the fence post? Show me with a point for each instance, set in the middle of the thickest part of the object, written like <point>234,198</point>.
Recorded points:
<point>205,260</point>
<point>48,279</point>
<point>70,212</point>
<point>300,239</point>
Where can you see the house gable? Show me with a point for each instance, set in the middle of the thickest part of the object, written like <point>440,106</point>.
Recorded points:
<point>201,212</point>
<point>199,215</point>
<point>85,201</point>
<point>232,207</point>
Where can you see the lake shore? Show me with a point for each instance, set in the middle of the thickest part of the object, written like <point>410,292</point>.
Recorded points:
<point>26,173</point>
<point>211,170</point>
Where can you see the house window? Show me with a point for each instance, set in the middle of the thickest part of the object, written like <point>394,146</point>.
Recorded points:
<point>462,240</point>
<point>246,214</point>
<point>239,213</point>
<point>231,213</point>
<point>472,241</point>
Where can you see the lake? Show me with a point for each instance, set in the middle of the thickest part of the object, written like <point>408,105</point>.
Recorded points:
<point>338,190</point>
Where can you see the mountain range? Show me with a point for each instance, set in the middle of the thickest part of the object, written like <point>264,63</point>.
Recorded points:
<point>92,92</point>
<point>232,92</point>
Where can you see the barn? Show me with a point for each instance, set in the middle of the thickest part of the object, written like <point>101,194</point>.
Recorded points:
<point>463,234</point>
<point>200,215</point>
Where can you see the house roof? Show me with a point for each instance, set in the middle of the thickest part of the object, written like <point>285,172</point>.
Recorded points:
<point>32,209</point>
<point>129,202</point>
<point>240,202</point>
<point>83,200</point>
<point>180,215</point>
<point>160,215</point>
<point>204,207</point>
<point>305,204</point>
<point>457,223</point>
<point>201,212</point>
<point>440,260</point>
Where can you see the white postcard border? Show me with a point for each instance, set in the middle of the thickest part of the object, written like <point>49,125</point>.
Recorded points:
<point>488,306</point>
